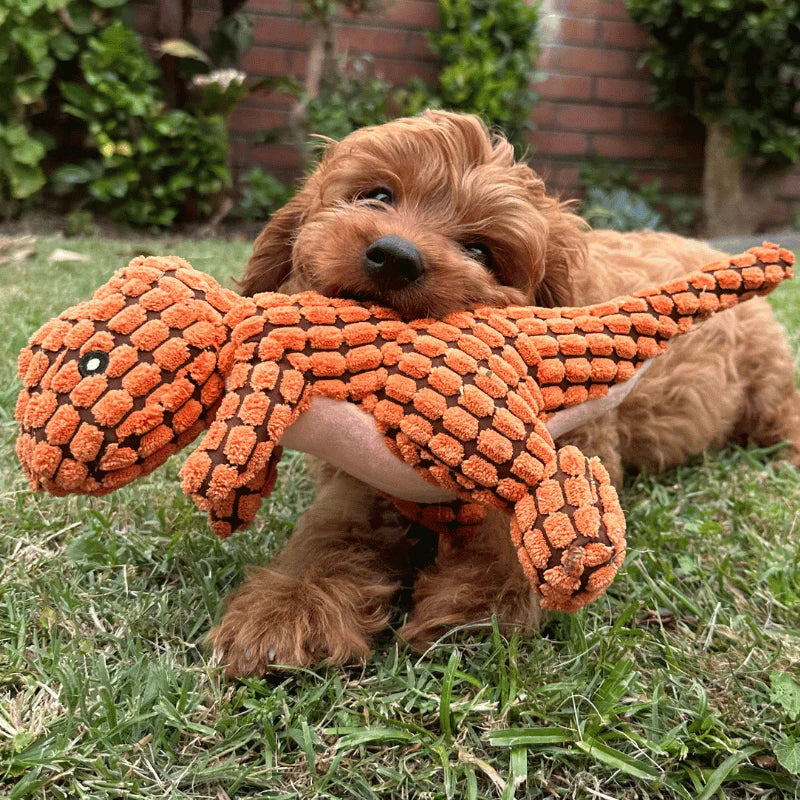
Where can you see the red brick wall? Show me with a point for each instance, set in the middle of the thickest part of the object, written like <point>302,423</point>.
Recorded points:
<point>594,95</point>
<point>595,101</point>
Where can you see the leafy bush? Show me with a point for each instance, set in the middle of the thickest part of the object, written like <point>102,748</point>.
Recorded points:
<point>261,195</point>
<point>488,51</point>
<point>152,164</point>
<point>80,223</point>
<point>351,96</point>
<point>37,37</point>
<point>732,61</point>
<point>20,156</point>
<point>613,199</point>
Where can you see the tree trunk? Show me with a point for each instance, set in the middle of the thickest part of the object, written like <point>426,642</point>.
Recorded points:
<point>320,57</point>
<point>737,197</point>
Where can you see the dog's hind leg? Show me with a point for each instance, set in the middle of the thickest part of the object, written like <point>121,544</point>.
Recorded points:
<point>771,412</point>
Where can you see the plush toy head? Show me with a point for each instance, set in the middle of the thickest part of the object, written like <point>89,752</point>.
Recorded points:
<point>115,385</point>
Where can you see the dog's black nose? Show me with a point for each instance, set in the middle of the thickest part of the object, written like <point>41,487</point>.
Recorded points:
<point>392,262</point>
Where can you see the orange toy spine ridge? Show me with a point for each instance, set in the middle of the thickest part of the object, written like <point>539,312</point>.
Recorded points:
<point>584,350</point>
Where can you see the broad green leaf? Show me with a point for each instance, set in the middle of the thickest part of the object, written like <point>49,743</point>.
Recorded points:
<point>618,760</point>
<point>614,686</point>
<point>718,776</point>
<point>445,714</point>
<point>65,46</point>
<point>512,737</point>
<point>373,736</point>
<point>785,691</point>
<point>180,48</point>
<point>25,180</point>
<point>13,134</point>
<point>29,90</point>
<point>29,152</point>
<point>788,755</point>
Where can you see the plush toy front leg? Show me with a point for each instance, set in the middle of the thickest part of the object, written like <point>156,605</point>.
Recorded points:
<point>569,531</point>
<point>234,466</point>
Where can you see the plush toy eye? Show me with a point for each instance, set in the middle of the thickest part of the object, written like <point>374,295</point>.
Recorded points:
<point>93,363</point>
<point>379,193</point>
<point>479,252</point>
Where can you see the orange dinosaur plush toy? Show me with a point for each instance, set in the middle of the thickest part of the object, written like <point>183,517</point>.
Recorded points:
<point>430,411</point>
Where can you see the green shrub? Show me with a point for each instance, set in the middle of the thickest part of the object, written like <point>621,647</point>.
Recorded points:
<point>152,164</point>
<point>38,38</point>
<point>20,156</point>
<point>730,61</point>
<point>351,96</point>
<point>261,195</point>
<point>80,223</point>
<point>614,199</point>
<point>488,51</point>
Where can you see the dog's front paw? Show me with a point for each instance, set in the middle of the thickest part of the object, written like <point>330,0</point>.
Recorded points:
<point>275,620</point>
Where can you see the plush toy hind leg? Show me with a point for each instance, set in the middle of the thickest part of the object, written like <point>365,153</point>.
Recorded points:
<point>569,531</point>
<point>327,592</point>
<point>567,538</point>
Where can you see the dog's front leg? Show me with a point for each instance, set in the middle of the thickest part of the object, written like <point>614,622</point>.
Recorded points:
<point>327,592</point>
<point>470,582</point>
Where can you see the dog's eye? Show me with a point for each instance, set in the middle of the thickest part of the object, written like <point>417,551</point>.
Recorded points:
<point>379,193</point>
<point>479,252</point>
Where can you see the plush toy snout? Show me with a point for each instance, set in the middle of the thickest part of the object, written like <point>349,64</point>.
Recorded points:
<point>115,385</point>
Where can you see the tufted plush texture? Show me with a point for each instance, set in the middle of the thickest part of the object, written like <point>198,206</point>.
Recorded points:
<point>115,385</point>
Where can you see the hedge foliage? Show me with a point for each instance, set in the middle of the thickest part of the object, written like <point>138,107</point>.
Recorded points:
<point>730,61</point>
<point>152,163</point>
<point>78,86</point>
<point>38,39</point>
<point>79,91</point>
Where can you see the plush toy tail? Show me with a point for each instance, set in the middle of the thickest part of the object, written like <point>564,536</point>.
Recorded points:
<point>234,466</point>
<point>590,349</point>
<point>569,531</point>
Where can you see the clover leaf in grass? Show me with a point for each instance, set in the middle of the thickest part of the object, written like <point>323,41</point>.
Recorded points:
<point>785,692</point>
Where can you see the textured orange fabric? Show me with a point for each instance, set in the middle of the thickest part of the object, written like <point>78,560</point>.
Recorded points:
<point>114,386</point>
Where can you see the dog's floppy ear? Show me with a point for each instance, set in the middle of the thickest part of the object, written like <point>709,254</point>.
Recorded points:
<point>271,261</point>
<point>565,254</point>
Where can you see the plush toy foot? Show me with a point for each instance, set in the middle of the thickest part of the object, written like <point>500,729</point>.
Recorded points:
<point>275,620</point>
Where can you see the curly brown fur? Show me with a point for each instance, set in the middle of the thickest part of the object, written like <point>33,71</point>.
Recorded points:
<point>453,185</point>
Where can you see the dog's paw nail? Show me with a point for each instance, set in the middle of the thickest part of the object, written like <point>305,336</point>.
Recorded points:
<point>271,654</point>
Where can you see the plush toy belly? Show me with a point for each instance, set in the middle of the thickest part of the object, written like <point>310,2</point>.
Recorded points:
<point>341,434</point>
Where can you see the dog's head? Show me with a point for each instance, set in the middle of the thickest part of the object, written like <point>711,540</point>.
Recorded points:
<point>427,215</point>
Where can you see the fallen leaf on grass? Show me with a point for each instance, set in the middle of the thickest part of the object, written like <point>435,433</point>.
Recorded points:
<point>765,762</point>
<point>16,248</point>
<point>663,617</point>
<point>67,255</point>
<point>659,617</point>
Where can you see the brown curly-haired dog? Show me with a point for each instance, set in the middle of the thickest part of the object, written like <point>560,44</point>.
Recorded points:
<point>429,215</point>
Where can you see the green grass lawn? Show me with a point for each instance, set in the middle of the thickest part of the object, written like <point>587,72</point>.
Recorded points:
<point>683,681</point>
